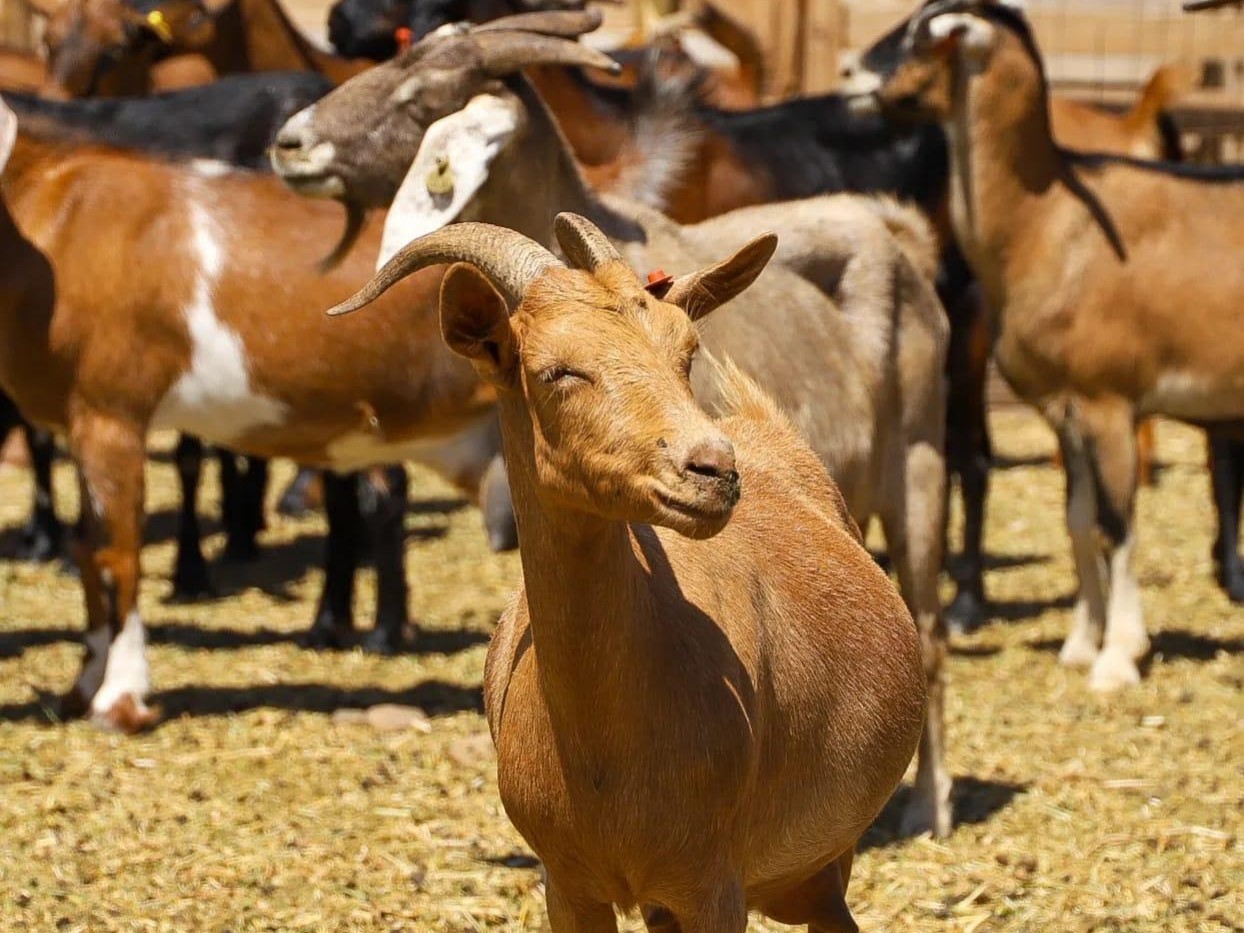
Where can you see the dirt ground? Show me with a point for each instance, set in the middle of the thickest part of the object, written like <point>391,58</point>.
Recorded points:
<point>251,808</point>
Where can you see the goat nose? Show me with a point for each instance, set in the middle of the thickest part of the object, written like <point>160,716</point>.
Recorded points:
<point>292,138</point>
<point>712,458</point>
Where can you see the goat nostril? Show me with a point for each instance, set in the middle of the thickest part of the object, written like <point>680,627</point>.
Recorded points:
<point>288,141</point>
<point>712,460</point>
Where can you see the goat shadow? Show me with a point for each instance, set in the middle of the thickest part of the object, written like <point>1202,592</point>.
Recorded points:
<point>975,801</point>
<point>1170,644</point>
<point>433,697</point>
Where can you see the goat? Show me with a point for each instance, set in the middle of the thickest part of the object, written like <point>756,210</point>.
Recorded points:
<point>1074,253</point>
<point>749,701</point>
<point>229,354</point>
<point>232,120</point>
<point>854,339</point>
<point>95,45</point>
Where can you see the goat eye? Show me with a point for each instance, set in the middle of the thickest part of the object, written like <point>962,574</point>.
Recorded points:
<point>563,376</point>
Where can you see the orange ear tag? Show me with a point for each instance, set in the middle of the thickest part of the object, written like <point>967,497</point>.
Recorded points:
<point>404,37</point>
<point>659,283</point>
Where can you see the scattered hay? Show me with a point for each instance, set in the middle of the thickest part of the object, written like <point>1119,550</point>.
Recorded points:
<point>251,809</point>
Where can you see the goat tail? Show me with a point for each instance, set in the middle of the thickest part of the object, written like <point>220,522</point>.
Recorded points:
<point>913,232</point>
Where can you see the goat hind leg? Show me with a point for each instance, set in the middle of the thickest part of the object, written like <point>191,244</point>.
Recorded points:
<point>913,521</point>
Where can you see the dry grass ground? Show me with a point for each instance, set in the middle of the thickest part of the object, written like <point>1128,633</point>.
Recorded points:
<point>252,809</point>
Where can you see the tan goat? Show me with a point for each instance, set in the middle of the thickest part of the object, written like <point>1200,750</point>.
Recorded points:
<point>1116,284</point>
<point>694,727</point>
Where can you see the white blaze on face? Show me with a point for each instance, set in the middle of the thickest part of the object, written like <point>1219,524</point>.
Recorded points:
<point>214,397</point>
<point>8,133</point>
<point>467,141</point>
<point>126,670</point>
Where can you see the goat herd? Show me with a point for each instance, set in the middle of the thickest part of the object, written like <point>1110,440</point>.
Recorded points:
<point>924,219</point>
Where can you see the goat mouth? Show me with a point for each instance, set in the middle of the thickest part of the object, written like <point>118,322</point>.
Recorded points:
<point>699,509</point>
<point>314,185</point>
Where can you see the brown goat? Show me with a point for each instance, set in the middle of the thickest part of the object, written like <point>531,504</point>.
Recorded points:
<point>1115,284</point>
<point>695,727</point>
<point>231,350</point>
<point>105,47</point>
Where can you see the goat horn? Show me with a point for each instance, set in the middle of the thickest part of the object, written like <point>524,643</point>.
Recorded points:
<point>510,260</point>
<point>583,243</point>
<point>504,53</point>
<point>566,24</point>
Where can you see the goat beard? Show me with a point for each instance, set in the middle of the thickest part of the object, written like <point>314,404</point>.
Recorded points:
<point>356,213</point>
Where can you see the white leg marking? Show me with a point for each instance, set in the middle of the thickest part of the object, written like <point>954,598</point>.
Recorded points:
<point>126,671</point>
<point>1126,639</point>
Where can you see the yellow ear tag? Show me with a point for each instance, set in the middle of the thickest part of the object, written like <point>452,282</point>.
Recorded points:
<point>160,26</point>
<point>441,179</point>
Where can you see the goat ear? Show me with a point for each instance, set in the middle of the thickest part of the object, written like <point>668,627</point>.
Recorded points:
<point>475,323</point>
<point>702,292</point>
<point>452,164</point>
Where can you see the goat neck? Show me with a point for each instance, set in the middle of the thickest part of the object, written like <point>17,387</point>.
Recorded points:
<point>585,625</point>
<point>1004,160</point>
<point>537,178</point>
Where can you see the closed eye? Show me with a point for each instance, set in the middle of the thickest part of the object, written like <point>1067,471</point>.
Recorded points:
<point>563,376</point>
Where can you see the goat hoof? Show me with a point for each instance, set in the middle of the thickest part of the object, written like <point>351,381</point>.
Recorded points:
<point>129,715</point>
<point>327,635</point>
<point>192,583</point>
<point>385,641</point>
<point>1232,583</point>
<point>1078,651</point>
<point>1113,670</point>
<point>966,612</point>
<point>927,816</point>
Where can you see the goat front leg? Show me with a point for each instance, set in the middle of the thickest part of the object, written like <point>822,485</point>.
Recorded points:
<point>571,915</point>
<point>1084,641</point>
<point>114,679</point>
<point>1227,481</point>
<point>1113,455</point>
<point>969,452</point>
<point>384,495</point>
<point>45,534</point>
<point>190,576</point>
<point>243,484</point>
<point>334,618</point>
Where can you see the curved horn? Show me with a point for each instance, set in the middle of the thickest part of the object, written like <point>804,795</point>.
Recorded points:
<point>567,24</point>
<point>583,243</point>
<point>510,261</point>
<point>504,53</point>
